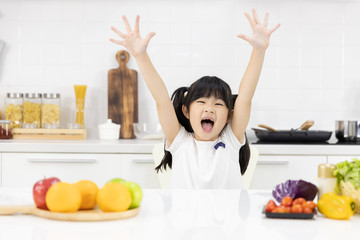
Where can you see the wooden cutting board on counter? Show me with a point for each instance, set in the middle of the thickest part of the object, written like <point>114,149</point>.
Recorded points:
<point>81,215</point>
<point>123,95</point>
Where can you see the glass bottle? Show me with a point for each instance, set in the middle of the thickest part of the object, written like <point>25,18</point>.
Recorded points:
<point>5,129</point>
<point>50,110</point>
<point>326,180</point>
<point>14,109</point>
<point>80,91</point>
<point>32,110</point>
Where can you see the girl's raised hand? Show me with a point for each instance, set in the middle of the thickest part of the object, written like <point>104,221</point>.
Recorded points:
<point>132,41</point>
<point>261,34</point>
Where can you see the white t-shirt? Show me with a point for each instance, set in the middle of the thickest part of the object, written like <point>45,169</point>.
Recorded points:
<point>198,165</point>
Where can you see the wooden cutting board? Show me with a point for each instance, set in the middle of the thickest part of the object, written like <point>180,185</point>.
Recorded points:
<point>81,215</point>
<point>123,96</point>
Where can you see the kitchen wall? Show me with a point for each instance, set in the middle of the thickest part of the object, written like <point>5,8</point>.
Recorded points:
<point>311,69</point>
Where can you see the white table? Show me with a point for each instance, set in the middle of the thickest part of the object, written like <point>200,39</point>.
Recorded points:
<point>180,214</point>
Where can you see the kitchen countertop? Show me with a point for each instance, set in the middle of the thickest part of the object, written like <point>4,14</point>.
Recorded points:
<point>180,214</point>
<point>146,146</point>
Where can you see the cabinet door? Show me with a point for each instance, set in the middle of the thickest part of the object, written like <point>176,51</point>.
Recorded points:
<point>22,170</point>
<point>272,170</point>
<point>140,168</point>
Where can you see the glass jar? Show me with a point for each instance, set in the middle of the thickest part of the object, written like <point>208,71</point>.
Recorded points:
<point>50,110</point>
<point>32,108</point>
<point>14,109</point>
<point>5,129</point>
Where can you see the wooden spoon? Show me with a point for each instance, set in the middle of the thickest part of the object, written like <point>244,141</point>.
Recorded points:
<point>306,125</point>
<point>267,127</point>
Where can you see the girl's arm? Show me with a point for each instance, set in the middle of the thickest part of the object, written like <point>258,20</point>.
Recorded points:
<point>260,41</point>
<point>137,46</point>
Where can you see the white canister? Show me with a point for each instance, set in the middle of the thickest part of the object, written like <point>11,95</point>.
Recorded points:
<point>326,180</point>
<point>109,131</point>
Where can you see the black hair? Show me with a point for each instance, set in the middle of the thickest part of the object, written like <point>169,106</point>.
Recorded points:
<point>204,87</point>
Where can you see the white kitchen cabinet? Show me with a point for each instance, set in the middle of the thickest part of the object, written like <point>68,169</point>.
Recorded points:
<point>337,159</point>
<point>140,168</point>
<point>272,170</point>
<point>24,169</point>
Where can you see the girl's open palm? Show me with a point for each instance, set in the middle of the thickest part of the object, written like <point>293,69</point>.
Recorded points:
<point>132,41</point>
<point>261,34</point>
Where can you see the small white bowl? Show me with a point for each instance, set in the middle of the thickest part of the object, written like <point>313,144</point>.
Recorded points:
<point>109,131</point>
<point>149,131</point>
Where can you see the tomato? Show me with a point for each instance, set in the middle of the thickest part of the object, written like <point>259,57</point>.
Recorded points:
<point>296,208</point>
<point>309,204</point>
<point>286,201</point>
<point>270,206</point>
<point>307,210</point>
<point>299,201</point>
<point>281,209</point>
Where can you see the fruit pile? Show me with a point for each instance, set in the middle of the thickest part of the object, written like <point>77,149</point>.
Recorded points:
<point>289,205</point>
<point>116,195</point>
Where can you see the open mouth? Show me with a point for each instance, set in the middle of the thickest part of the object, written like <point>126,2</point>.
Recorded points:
<point>207,124</point>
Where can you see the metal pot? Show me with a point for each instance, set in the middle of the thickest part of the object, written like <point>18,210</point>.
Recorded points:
<point>347,131</point>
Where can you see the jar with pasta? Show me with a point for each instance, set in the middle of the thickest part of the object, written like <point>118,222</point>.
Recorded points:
<point>14,109</point>
<point>50,110</point>
<point>32,109</point>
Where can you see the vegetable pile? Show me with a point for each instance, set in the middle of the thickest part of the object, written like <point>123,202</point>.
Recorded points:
<point>288,205</point>
<point>295,189</point>
<point>348,172</point>
<point>348,180</point>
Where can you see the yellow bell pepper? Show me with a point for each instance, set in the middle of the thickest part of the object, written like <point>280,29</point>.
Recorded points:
<point>336,206</point>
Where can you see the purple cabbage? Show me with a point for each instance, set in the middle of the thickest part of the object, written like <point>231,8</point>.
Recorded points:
<point>295,189</point>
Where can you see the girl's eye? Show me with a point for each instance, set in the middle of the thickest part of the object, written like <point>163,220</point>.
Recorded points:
<point>199,101</point>
<point>219,104</point>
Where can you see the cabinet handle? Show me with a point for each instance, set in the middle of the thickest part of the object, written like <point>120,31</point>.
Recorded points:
<point>284,162</point>
<point>143,160</point>
<point>40,160</point>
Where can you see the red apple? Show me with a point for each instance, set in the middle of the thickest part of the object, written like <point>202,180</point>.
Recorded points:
<point>39,191</point>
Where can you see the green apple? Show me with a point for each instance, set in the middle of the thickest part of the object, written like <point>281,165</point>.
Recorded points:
<point>136,193</point>
<point>116,180</point>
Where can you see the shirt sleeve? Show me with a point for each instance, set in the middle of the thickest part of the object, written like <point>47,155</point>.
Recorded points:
<point>180,137</point>
<point>230,137</point>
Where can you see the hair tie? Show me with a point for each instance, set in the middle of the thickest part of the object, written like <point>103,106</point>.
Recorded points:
<point>185,93</point>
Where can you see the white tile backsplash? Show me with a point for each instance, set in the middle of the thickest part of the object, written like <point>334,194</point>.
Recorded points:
<point>311,70</point>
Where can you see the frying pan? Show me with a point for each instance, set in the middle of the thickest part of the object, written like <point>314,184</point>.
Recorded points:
<point>292,135</point>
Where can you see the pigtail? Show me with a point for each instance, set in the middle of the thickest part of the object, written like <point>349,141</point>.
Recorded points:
<point>244,156</point>
<point>178,98</point>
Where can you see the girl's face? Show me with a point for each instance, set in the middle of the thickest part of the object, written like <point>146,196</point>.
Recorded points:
<point>208,117</point>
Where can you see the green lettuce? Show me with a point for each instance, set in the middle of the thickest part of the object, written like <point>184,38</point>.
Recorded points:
<point>348,172</point>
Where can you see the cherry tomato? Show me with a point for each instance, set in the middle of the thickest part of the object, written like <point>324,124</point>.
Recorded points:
<point>286,201</point>
<point>307,210</point>
<point>296,208</point>
<point>270,206</point>
<point>309,204</point>
<point>299,201</point>
<point>281,209</point>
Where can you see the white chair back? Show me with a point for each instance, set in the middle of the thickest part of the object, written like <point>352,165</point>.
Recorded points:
<point>163,175</point>
<point>249,173</point>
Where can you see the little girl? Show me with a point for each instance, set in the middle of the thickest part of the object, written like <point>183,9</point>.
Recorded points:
<point>204,127</point>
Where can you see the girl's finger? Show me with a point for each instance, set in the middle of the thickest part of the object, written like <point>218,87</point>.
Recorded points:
<point>246,38</point>
<point>127,25</point>
<point>137,20</point>
<point>149,37</point>
<point>120,34</point>
<point>256,18</point>
<point>266,19</point>
<point>251,21</point>
<point>274,28</point>
<point>117,41</point>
